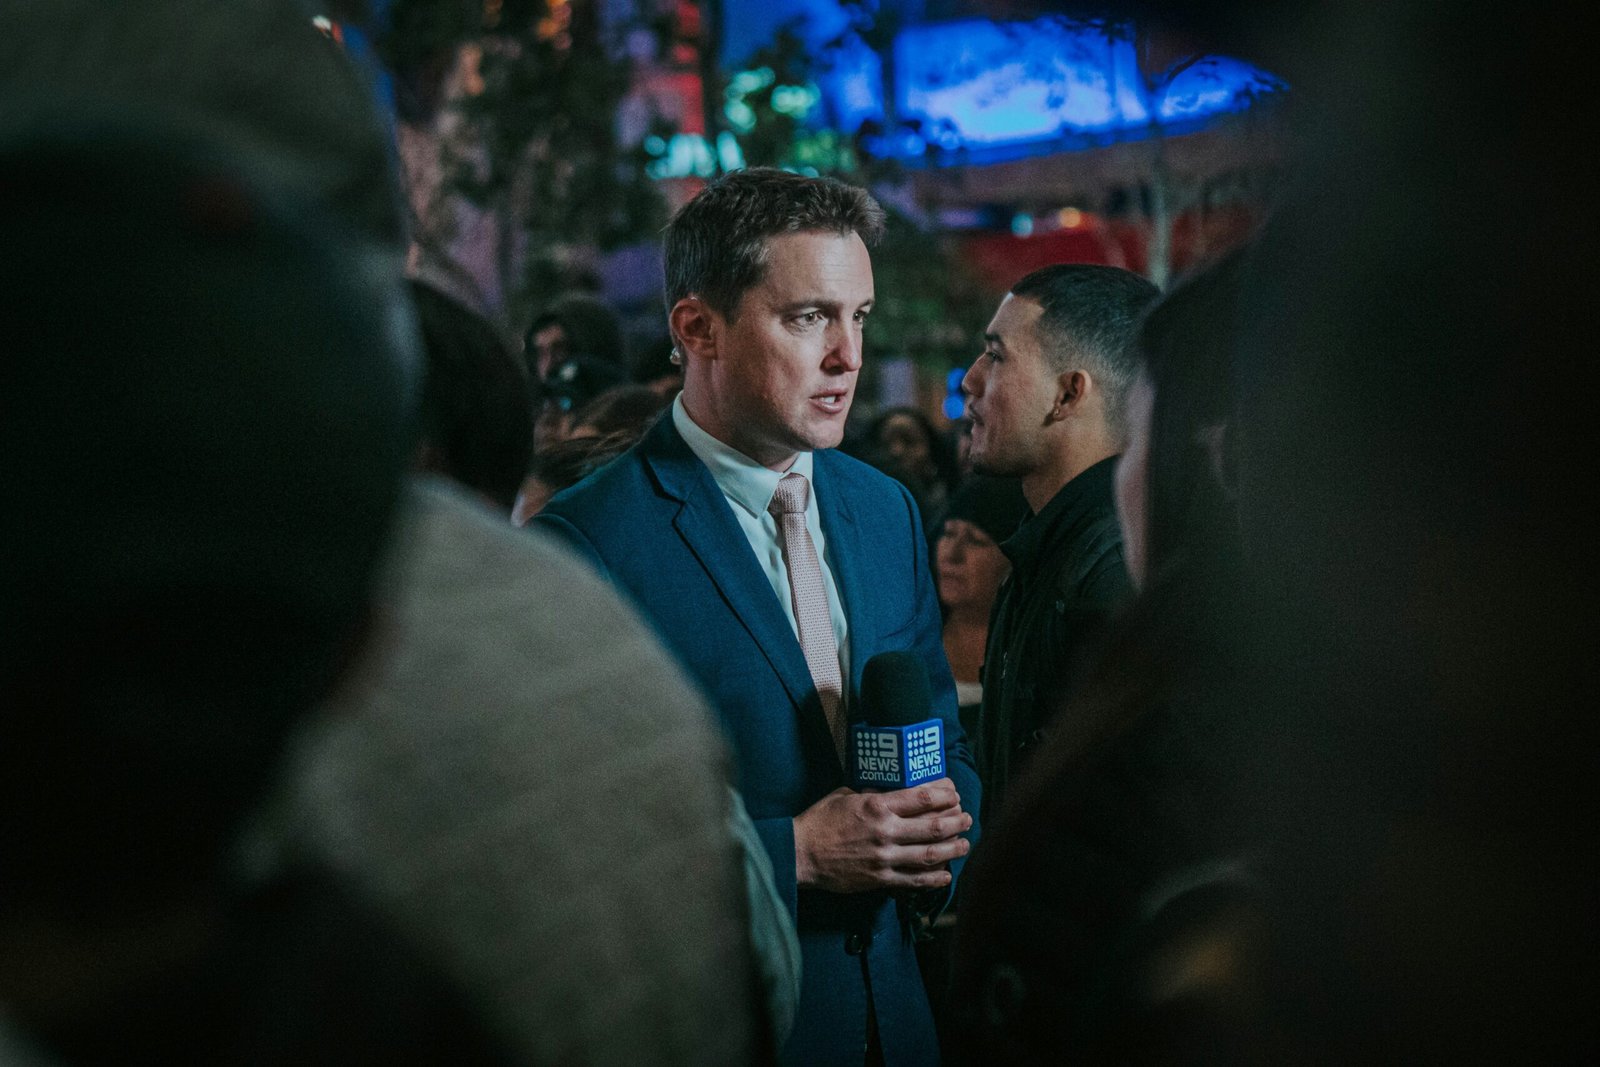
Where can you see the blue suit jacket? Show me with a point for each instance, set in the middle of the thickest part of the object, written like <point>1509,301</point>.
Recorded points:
<point>657,524</point>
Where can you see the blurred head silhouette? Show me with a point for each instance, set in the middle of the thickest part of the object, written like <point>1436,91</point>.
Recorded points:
<point>1175,480</point>
<point>477,407</point>
<point>244,379</point>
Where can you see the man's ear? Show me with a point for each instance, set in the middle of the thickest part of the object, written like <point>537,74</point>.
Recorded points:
<point>694,328</point>
<point>1073,390</point>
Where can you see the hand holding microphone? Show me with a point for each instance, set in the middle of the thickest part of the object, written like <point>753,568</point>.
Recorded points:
<point>903,833</point>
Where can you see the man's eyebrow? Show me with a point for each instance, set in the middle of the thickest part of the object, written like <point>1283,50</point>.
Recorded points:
<point>993,339</point>
<point>800,305</point>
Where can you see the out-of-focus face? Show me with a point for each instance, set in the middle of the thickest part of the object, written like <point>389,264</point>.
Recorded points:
<point>968,566</point>
<point>1133,471</point>
<point>1011,390</point>
<point>903,441</point>
<point>786,364</point>
<point>549,348</point>
<point>964,445</point>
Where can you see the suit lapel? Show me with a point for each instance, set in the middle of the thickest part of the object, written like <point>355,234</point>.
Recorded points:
<point>847,556</point>
<point>708,528</point>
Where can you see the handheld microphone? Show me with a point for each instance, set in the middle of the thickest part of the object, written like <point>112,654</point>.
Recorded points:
<point>898,746</point>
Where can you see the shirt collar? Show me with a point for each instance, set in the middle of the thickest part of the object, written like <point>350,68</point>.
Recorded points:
<point>1090,488</point>
<point>741,479</point>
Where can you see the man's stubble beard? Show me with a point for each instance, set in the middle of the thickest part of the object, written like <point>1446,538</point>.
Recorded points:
<point>1000,467</point>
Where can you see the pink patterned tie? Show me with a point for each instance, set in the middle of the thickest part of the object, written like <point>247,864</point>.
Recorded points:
<point>810,600</point>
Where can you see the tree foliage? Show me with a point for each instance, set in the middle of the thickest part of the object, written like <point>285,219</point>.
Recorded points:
<point>530,140</point>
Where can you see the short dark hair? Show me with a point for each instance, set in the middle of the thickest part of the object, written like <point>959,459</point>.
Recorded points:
<point>1091,318</point>
<point>716,245</point>
<point>477,406</point>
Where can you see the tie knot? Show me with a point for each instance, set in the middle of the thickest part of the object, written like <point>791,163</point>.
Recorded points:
<point>790,499</point>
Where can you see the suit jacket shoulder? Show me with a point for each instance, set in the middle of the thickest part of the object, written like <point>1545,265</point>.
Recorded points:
<point>581,514</point>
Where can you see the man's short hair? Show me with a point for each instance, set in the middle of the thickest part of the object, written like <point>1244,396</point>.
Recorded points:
<point>716,246</point>
<point>1090,320</point>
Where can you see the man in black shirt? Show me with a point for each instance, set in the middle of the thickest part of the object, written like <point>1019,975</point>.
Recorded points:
<point>1046,399</point>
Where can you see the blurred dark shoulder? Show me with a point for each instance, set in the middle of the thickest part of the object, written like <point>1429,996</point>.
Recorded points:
<point>296,971</point>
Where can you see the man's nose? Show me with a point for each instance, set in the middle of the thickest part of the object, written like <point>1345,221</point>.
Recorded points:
<point>972,381</point>
<point>844,351</point>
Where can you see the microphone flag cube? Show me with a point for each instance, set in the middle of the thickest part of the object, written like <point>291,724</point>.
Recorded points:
<point>896,757</point>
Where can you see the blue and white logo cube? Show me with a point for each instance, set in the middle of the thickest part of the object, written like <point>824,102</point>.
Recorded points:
<point>896,757</point>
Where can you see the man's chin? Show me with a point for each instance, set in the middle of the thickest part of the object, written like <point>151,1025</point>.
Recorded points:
<point>829,436</point>
<point>993,467</point>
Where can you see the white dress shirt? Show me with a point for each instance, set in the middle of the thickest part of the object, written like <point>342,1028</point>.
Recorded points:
<point>748,487</point>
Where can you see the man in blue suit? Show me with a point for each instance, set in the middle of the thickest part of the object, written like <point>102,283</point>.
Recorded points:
<point>775,568</point>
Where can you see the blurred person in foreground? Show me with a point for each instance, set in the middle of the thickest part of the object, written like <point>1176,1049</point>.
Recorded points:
<point>1417,492</point>
<point>253,377</point>
<point>537,794</point>
<point>775,568</point>
<point>1048,400</point>
<point>1114,913</point>
<point>236,578</point>
<point>323,977</point>
<point>216,70</point>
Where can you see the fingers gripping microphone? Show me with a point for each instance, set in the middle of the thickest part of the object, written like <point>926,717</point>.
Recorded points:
<point>898,746</point>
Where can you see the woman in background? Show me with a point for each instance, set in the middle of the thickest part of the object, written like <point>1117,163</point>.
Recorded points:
<point>968,569</point>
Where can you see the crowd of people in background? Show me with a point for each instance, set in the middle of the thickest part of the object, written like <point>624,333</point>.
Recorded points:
<point>377,687</point>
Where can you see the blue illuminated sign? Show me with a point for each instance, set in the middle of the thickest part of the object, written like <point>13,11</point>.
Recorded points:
<point>989,90</point>
<point>978,86</point>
